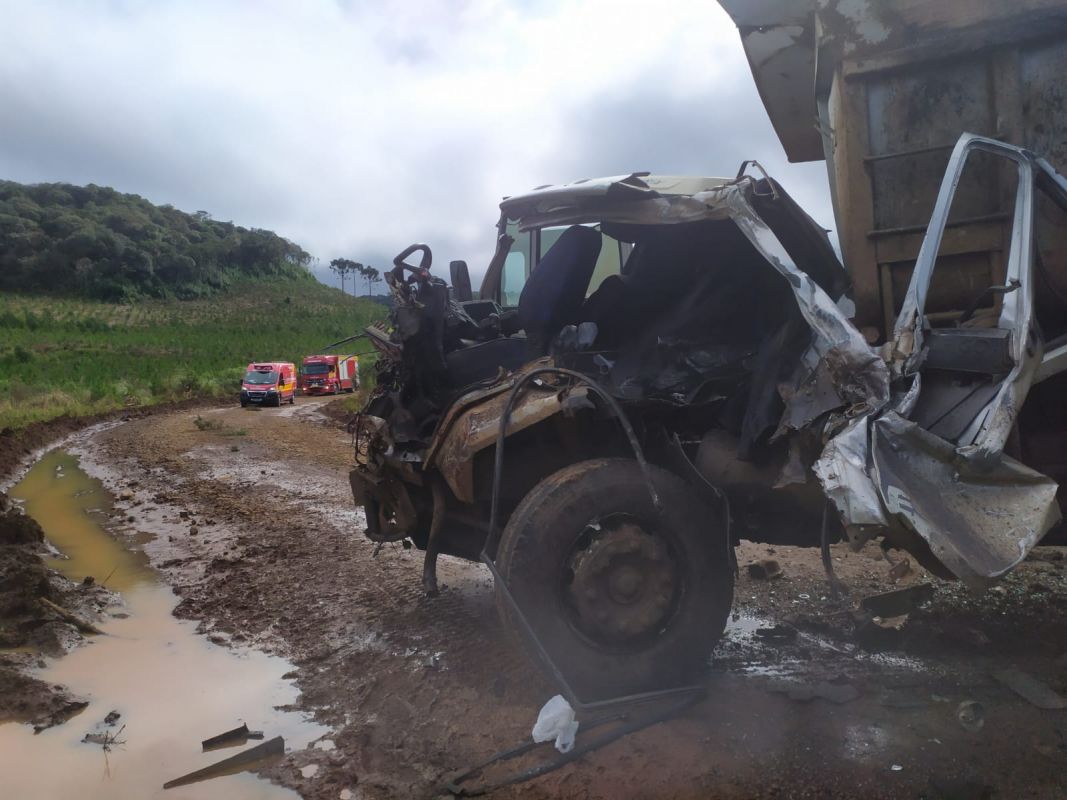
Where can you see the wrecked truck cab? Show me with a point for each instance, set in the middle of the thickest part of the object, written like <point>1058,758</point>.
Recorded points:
<point>655,368</point>
<point>678,307</point>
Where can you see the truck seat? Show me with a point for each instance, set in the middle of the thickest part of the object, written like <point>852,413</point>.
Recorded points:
<point>554,293</point>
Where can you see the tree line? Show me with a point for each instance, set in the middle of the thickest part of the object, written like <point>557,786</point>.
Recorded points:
<point>343,267</point>
<point>92,241</point>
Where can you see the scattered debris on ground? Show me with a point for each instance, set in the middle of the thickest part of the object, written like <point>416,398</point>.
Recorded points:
<point>971,716</point>
<point>1031,689</point>
<point>246,760</point>
<point>231,738</point>
<point>108,740</point>
<point>765,569</point>
<point>899,602</point>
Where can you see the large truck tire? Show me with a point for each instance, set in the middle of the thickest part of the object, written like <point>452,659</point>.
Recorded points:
<point>625,599</point>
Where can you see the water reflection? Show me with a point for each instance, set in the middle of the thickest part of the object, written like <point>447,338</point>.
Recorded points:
<point>171,687</point>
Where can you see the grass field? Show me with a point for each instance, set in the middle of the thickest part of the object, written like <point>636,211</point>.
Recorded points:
<point>63,356</point>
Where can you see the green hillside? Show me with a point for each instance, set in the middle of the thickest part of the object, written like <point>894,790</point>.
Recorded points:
<point>108,301</point>
<point>69,356</point>
<point>92,241</point>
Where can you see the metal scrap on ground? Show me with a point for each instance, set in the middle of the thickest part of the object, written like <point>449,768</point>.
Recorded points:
<point>1031,689</point>
<point>230,738</point>
<point>898,602</point>
<point>238,763</point>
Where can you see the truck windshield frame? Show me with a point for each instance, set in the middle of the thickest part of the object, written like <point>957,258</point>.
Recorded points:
<point>529,248</point>
<point>256,377</point>
<point>318,369</point>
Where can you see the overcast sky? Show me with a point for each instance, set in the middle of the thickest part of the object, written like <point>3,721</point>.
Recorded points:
<point>357,128</point>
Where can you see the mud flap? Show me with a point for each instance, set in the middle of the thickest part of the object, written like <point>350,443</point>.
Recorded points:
<point>979,519</point>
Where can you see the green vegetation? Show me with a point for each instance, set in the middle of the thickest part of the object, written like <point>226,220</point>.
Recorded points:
<point>91,241</point>
<point>61,355</point>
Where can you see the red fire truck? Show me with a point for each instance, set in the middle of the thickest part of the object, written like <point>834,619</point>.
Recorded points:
<point>329,374</point>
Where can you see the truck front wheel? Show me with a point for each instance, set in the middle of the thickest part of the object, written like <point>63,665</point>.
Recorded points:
<point>623,597</point>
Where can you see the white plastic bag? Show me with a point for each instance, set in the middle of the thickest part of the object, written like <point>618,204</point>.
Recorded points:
<point>556,721</point>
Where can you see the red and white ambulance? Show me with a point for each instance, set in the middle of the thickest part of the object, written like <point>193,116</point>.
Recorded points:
<point>269,383</point>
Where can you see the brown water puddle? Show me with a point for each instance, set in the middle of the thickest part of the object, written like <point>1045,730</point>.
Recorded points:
<point>172,687</point>
<point>70,506</point>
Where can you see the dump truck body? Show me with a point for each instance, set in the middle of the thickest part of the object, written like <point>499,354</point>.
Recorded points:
<point>882,91</point>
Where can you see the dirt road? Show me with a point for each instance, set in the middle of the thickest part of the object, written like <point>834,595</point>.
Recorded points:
<point>251,521</point>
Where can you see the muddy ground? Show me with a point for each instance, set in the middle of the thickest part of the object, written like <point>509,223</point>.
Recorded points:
<point>253,525</point>
<point>42,614</point>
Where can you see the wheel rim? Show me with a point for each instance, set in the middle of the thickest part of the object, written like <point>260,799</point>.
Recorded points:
<point>622,583</point>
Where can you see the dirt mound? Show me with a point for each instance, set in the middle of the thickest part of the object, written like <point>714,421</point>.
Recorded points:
<point>24,579</point>
<point>16,527</point>
<point>26,586</point>
<point>27,699</point>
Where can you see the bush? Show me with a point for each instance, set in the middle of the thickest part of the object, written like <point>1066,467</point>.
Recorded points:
<point>93,325</point>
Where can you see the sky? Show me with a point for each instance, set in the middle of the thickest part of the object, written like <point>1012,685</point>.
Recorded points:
<point>357,128</point>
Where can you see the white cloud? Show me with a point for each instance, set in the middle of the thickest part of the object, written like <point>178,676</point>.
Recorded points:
<point>357,128</point>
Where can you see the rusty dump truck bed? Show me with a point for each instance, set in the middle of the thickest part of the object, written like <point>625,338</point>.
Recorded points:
<point>882,91</point>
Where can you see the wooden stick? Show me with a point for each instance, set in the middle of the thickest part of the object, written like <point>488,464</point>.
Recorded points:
<point>77,622</point>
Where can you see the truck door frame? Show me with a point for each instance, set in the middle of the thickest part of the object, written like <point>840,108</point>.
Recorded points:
<point>978,510</point>
<point>988,434</point>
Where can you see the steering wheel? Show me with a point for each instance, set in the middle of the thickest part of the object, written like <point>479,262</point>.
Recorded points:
<point>419,273</point>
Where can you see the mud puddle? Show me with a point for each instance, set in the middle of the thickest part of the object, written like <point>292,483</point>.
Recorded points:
<point>171,687</point>
<point>758,646</point>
